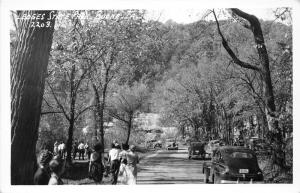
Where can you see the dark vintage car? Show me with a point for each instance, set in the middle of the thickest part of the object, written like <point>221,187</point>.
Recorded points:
<point>196,150</point>
<point>260,146</point>
<point>157,144</point>
<point>171,145</point>
<point>233,164</point>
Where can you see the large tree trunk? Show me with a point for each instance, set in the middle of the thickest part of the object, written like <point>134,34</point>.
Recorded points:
<point>97,114</point>
<point>72,115</point>
<point>100,107</point>
<point>28,70</point>
<point>129,125</point>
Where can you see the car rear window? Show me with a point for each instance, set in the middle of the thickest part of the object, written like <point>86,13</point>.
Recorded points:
<point>241,155</point>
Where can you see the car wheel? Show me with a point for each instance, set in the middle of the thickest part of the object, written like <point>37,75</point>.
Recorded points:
<point>189,157</point>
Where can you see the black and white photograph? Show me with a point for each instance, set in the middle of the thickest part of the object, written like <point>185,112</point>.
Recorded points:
<point>149,96</point>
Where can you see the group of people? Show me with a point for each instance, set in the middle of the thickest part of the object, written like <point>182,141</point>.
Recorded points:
<point>60,149</point>
<point>50,169</point>
<point>123,163</point>
<point>82,149</point>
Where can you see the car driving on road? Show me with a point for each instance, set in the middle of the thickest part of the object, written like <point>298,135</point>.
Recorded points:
<point>196,150</point>
<point>233,164</point>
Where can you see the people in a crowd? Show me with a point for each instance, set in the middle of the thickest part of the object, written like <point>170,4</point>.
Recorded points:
<point>62,149</point>
<point>81,150</point>
<point>123,153</point>
<point>132,161</point>
<point>125,174</point>
<point>87,150</point>
<point>57,168</point>
<point>75,149</point>
<point>114,161</point>
<point>96,164</point>
<point>115,142</point>
<point>55,148</point>
<point>42,175</point>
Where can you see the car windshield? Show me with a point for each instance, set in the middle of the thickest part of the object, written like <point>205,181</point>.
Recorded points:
<point>241,155</point>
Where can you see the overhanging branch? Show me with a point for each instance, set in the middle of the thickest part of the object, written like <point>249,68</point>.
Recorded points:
<point>230,52</point>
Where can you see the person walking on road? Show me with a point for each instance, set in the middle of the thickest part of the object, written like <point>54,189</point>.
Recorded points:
<point>96,164</point>
<point>42,175</point>
<point>113,159</point>
<point>125,174</point>
<point>132,161</point>
<point>57,167</point>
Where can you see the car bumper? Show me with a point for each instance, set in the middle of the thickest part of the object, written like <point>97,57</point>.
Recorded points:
<point>196,156</point>
<point>240,182</point>
<point>172,148</point>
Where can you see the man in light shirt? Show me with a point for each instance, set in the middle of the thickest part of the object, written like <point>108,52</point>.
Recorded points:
<point>114,162</point>
<point>81,150</point>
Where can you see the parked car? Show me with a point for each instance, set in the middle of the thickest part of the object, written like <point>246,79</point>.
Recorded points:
<point>233,164</point>
<point>260,146</point>
<point>157,144</point>
<point>211,146</point>
<point>171,145</point>
<point>196,150</point>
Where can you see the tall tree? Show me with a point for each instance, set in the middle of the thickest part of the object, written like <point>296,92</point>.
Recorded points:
<point>252,23</point>
<point>28,70</point>
<point>126,103</point>
<point>119,30</point>
<point>67,74</point>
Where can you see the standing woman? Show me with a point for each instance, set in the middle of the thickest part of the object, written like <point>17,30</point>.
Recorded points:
<point>42,175</point>
<point>57,168</point>
<point>132,161</point>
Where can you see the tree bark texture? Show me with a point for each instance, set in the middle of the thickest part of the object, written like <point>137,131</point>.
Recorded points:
<point>28,70</point>
<point>129,125</point>
<point>72,115</point>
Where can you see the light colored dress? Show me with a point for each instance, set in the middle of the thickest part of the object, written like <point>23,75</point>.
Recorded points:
<point>125,175</point>
<point>55,180</point>
<point>132,161</point>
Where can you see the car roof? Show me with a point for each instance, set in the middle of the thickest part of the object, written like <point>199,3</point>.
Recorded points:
<point>197,143</point>
<point>215,140</point>
<point>234,148</point>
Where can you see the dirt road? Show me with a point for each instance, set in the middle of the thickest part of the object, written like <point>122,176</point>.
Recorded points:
<point>170,167</point>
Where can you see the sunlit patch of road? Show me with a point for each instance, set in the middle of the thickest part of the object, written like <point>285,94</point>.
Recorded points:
<point>170,167</point>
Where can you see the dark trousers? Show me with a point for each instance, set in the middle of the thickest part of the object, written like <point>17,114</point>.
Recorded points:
<point>114,170</point>
<point>74,154</point>
<point>81,154</point>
